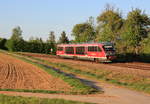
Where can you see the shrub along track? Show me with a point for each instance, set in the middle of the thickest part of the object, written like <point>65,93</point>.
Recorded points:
<point>17,74</point>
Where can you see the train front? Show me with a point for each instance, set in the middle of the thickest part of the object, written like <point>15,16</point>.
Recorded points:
<point>110,52</point>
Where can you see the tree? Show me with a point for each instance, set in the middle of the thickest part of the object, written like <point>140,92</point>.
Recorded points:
<point>83,32</point>
<point>63,38</point>
<point>109,24</point>
<point>91,21</point>
<point>146,45</point>
<point>2,43</point>
<point>52,42</point>
<point>16,42</point>
<point>51,37</point>
<point>36,45</point>
<point>16,34</point>
<point>135,30</point>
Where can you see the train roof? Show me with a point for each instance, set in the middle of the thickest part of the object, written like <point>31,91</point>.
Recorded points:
<point>98,43</point>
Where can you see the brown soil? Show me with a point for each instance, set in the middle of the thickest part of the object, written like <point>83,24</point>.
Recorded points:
<point>17,74</point>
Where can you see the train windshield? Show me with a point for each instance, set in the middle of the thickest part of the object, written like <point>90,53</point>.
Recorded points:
<point>108,48</point>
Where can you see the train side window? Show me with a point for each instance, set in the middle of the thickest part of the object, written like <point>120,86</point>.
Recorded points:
<point>59,48</point>
<point>93,49</point>
<point>99,49</point>
<point>90,48</point>
<point>80,50</point>
<point>69,50</point>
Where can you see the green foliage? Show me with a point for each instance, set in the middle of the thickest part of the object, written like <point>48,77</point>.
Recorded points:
<point>4,99</point>
<point>83,32</point>
<point>51,37</point>
<point>134,31</point>
<point>2,43</point>
<point>63,38</point>
<point>52,42</point>
<point>146,46</point>
<point>130,34</point>
<point>16,34</point>
<point>36,46</point>
<point>36,91</point>
<point>109,25</point>
<point>16,42</point>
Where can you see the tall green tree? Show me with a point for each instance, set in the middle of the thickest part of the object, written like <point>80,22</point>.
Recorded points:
<point>36,45</point>
<point>83,32</point>
<point>135,30</point>
<point>2,43</point>
<point>16,42</point>
<point>63,38</point>
<point>109,24</point>
<point>52,42</point>
<point>51,38</point>
<point>16,34</point>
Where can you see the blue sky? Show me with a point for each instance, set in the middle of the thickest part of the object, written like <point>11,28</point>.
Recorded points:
<point>38,17</point>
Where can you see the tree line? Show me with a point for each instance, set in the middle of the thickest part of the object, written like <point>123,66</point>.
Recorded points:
<point>16,43</point>
<point>130,34</point>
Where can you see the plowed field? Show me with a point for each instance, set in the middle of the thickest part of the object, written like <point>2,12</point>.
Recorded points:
<point>17,74</point>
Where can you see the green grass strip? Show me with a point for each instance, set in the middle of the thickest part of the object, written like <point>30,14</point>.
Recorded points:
<point>34,91</point>
<point>5,99</point>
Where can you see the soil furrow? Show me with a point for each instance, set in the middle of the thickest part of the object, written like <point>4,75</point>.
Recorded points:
<point>17,74</point>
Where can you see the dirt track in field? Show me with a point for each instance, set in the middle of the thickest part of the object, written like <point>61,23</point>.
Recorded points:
<point>17,74</point>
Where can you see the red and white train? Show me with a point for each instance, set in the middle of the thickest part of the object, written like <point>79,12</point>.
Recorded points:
<point>99,52</point>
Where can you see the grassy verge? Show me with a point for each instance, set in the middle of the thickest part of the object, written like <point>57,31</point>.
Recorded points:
<point>35,91</point>
<point>4,99</point>
<point>127,81</point>
<point>78,86</point>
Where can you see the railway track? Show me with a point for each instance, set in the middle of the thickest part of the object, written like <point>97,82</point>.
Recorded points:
<point>133,65</point>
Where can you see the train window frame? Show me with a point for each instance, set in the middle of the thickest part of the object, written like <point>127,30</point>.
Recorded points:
<point>94,49</point>
<point>82,50</point>
<point>69,51</point>
<point>108,48</point>
<point>99,49</point>
<point>60,48</point>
